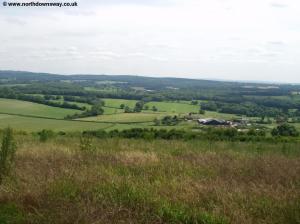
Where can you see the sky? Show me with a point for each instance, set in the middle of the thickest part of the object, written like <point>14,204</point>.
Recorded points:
<point>255,40</point>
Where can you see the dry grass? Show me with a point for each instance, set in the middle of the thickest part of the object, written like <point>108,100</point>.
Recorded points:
<point>132,181</point>
<point>137,158</point>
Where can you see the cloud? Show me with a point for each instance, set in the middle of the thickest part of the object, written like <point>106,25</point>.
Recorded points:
<point>128,2</point>
<point>278,5</point>
<point>276,43</point>
<point>15,21</point>
<point>163,37</point>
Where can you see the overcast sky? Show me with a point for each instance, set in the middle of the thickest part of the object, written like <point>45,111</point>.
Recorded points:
<point>212,39</point>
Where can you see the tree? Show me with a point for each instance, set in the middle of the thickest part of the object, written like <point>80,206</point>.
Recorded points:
<point>139,107</point>
<point>156,122</point>
<point>201,111</point>
<point>96,109</point>
<point>154,109</point>
<point>127,109</point>
<point>285,130</point>
<point>170,121</point>
<point>122,106</point>
<point>7,153</point>
<point>194,102</point>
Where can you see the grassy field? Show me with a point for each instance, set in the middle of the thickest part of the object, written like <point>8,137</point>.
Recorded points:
<point>110,111</point>
<point>120,127</point>
<point>117,102</point>
<point>171,107</point>
<point>79,104</point>
<point>136,181</point>
<point>112,114</point>
<point>33,109</point>
<point>126,117</point>
<point>36,124</point>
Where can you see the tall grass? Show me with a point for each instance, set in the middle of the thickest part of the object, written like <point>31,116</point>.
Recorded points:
<point>7,153</point>
<point>136,181</point>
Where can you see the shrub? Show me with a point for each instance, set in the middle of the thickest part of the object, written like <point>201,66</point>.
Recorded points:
<point>7,153</point>
<point>46,135</point>
<point>10,213</point>
<point>86,144</point>
<point>285,130</point>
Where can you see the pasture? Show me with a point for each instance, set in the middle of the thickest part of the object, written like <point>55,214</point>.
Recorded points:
<point>171,107</point>
<point>117,102</point>
<point>126,117</point>
<point>32,124</point>
<point>9,106</point>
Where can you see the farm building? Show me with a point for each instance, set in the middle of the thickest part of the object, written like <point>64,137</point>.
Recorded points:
<point>215,122</point>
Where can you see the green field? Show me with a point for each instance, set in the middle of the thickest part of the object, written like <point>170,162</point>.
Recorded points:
<point>37,124</point>
<point>30,116</point>
<point>17,114</point>
<point>126,117</point>
<point>117,102</point>
<point>213,114</point>
<point>71,102</point>
<point>171,107</point>
<point>107,110</point>
<point>33,109</point>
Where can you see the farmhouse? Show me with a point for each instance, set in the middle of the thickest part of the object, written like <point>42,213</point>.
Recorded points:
<point>215,122</point>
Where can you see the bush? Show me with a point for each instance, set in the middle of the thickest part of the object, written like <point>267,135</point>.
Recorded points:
<point>7,153</point>
<point>46,135</point>
<point>86,144</point>
<point>285,130</point>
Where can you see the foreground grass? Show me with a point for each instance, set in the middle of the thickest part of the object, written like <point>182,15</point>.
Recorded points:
<point>134,181</point>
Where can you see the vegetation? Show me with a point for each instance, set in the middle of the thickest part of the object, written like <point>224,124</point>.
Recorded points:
<point>285,130</point>
<point>7,153</point>
<point>17,107</point>
<point>95,110</point>
<point>124,149</point>
<point>138,181</point>
<point>46,135</point>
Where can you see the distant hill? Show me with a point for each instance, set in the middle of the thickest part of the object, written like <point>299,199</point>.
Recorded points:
<point>147,82</point>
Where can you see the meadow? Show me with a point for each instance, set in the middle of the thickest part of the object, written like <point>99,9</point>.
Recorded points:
<point>126,117</point>
<point>28,116</point>
<point>33,124</point>
<point>8,106</point>
<point>138,181</point>
<point>172,107</point>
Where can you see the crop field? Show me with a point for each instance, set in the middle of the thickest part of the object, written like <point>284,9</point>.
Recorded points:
<point>33,109</point>
<point>138,181</point>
